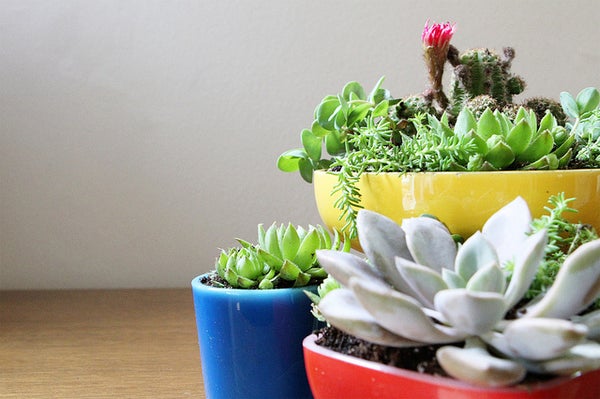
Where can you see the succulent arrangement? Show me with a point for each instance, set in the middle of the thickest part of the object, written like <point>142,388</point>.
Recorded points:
<point>477,127</point>
<point>419,287</point>
<point>283,255</point>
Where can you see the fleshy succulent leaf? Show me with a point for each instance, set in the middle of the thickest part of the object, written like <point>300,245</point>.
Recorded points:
<point>489,278</point>
<point>343,311</point>
<point>592,322</point>
<point>429,242</point>
<point>474,253</point>
<point>465,122</point>
<point>525,267</point>
<point>400,313</point>
<point>472,312</point>
<point>306,251</point>
<point>290,243</point>
<point>423,281</point>
<point>542,338</point>
<point>452,279</point>
<point>541,145</point>
<point>488,125</point>
<point>343,265</point>
<point>478,367</point>
<point>382,240</point>
<point>576,286</point>
<point>519,137</point>
<point>507,227</point>
<point>581,358</point>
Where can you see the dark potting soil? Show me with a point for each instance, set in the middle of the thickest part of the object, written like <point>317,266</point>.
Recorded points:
<point>421,359</point>
<point>212,279</point>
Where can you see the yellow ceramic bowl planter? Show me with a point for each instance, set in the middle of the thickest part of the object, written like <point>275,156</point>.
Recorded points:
<point>464,200</point>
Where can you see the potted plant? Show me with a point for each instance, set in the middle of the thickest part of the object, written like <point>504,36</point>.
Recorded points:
<point>500,312</point>
<point>457,155</point>
<point>252,313</point>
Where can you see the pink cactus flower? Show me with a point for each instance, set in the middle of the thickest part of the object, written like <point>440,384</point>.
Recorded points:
<point>437,35</point>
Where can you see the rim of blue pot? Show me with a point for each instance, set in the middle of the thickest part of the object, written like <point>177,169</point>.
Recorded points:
<point>198,285</point>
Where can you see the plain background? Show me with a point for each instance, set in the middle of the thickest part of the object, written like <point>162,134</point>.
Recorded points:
<point>138,137</point>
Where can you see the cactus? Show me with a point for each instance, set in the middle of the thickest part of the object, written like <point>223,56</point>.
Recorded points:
<point>541,104</point>
<point>418,288</point>
<point>283,253</point>
<point>482,71</point>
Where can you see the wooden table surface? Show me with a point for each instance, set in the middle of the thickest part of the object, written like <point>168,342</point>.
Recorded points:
<point>99,344</point>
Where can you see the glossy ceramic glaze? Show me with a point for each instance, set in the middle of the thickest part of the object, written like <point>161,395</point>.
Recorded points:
<point>333,376</point>
<point>251,341</point>
<point>464,200</point>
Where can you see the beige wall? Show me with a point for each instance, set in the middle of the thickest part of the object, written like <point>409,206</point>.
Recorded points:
<point>137,137</point>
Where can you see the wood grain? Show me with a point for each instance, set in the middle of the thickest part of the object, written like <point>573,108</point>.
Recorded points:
<point>99,344</point>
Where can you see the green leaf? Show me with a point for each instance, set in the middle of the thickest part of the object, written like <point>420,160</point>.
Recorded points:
<point>376,92</point>
<point>289,271</point>
<point>306,169</point>
<point>565,146</point>
<point>290,243</point>
<point>480,143</point>
<point>465,122</point>
<point>587,100</point>
<point>318,130</point>
<point>358,113</point>
<point>569,105</point>
<point>505,124</point>
<point>500,155</point>
<point>519,137</point>
<point>548,122</point>
<point>273,261</point>
<point>488,125</point>
<point>333,143</point>
<point>540,146</point>
<point>288,161</point>
<point>382,109</point>
<point>522,114</point>
<point>312,144</point>
<point>353,87</point>
<point>475,253</point>
<point>305,254</point>
<point>326,112</point>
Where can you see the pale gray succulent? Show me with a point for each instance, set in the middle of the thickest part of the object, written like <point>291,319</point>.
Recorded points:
<point>418,287</point>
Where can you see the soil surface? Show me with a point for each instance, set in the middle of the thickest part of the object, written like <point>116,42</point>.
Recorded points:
<point>421,359</point>
<point>212,279</point>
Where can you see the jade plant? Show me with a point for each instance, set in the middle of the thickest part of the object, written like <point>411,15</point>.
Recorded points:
<point>283,256</point>
<point>418,287</point>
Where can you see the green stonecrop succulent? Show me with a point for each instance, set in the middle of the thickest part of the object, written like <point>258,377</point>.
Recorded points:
<point>282,254</point>
<point>417,287</point>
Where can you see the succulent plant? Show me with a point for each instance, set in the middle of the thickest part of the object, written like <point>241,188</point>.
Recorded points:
<point>503,143</point>
<point>282,253</point>
<point>483,71</point>
<point>418,287</point>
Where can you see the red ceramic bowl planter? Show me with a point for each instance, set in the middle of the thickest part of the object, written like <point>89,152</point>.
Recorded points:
<point>332,375</point>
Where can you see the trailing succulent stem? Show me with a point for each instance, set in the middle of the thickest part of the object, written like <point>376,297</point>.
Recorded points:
<point>417,287</point>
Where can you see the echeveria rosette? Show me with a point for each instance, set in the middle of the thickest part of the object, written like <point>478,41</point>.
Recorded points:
<point>418,288</point>
<point>283,253</point>
<point>436,43</point>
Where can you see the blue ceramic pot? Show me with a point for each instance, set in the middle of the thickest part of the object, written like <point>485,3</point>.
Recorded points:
<point>251,341</point>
